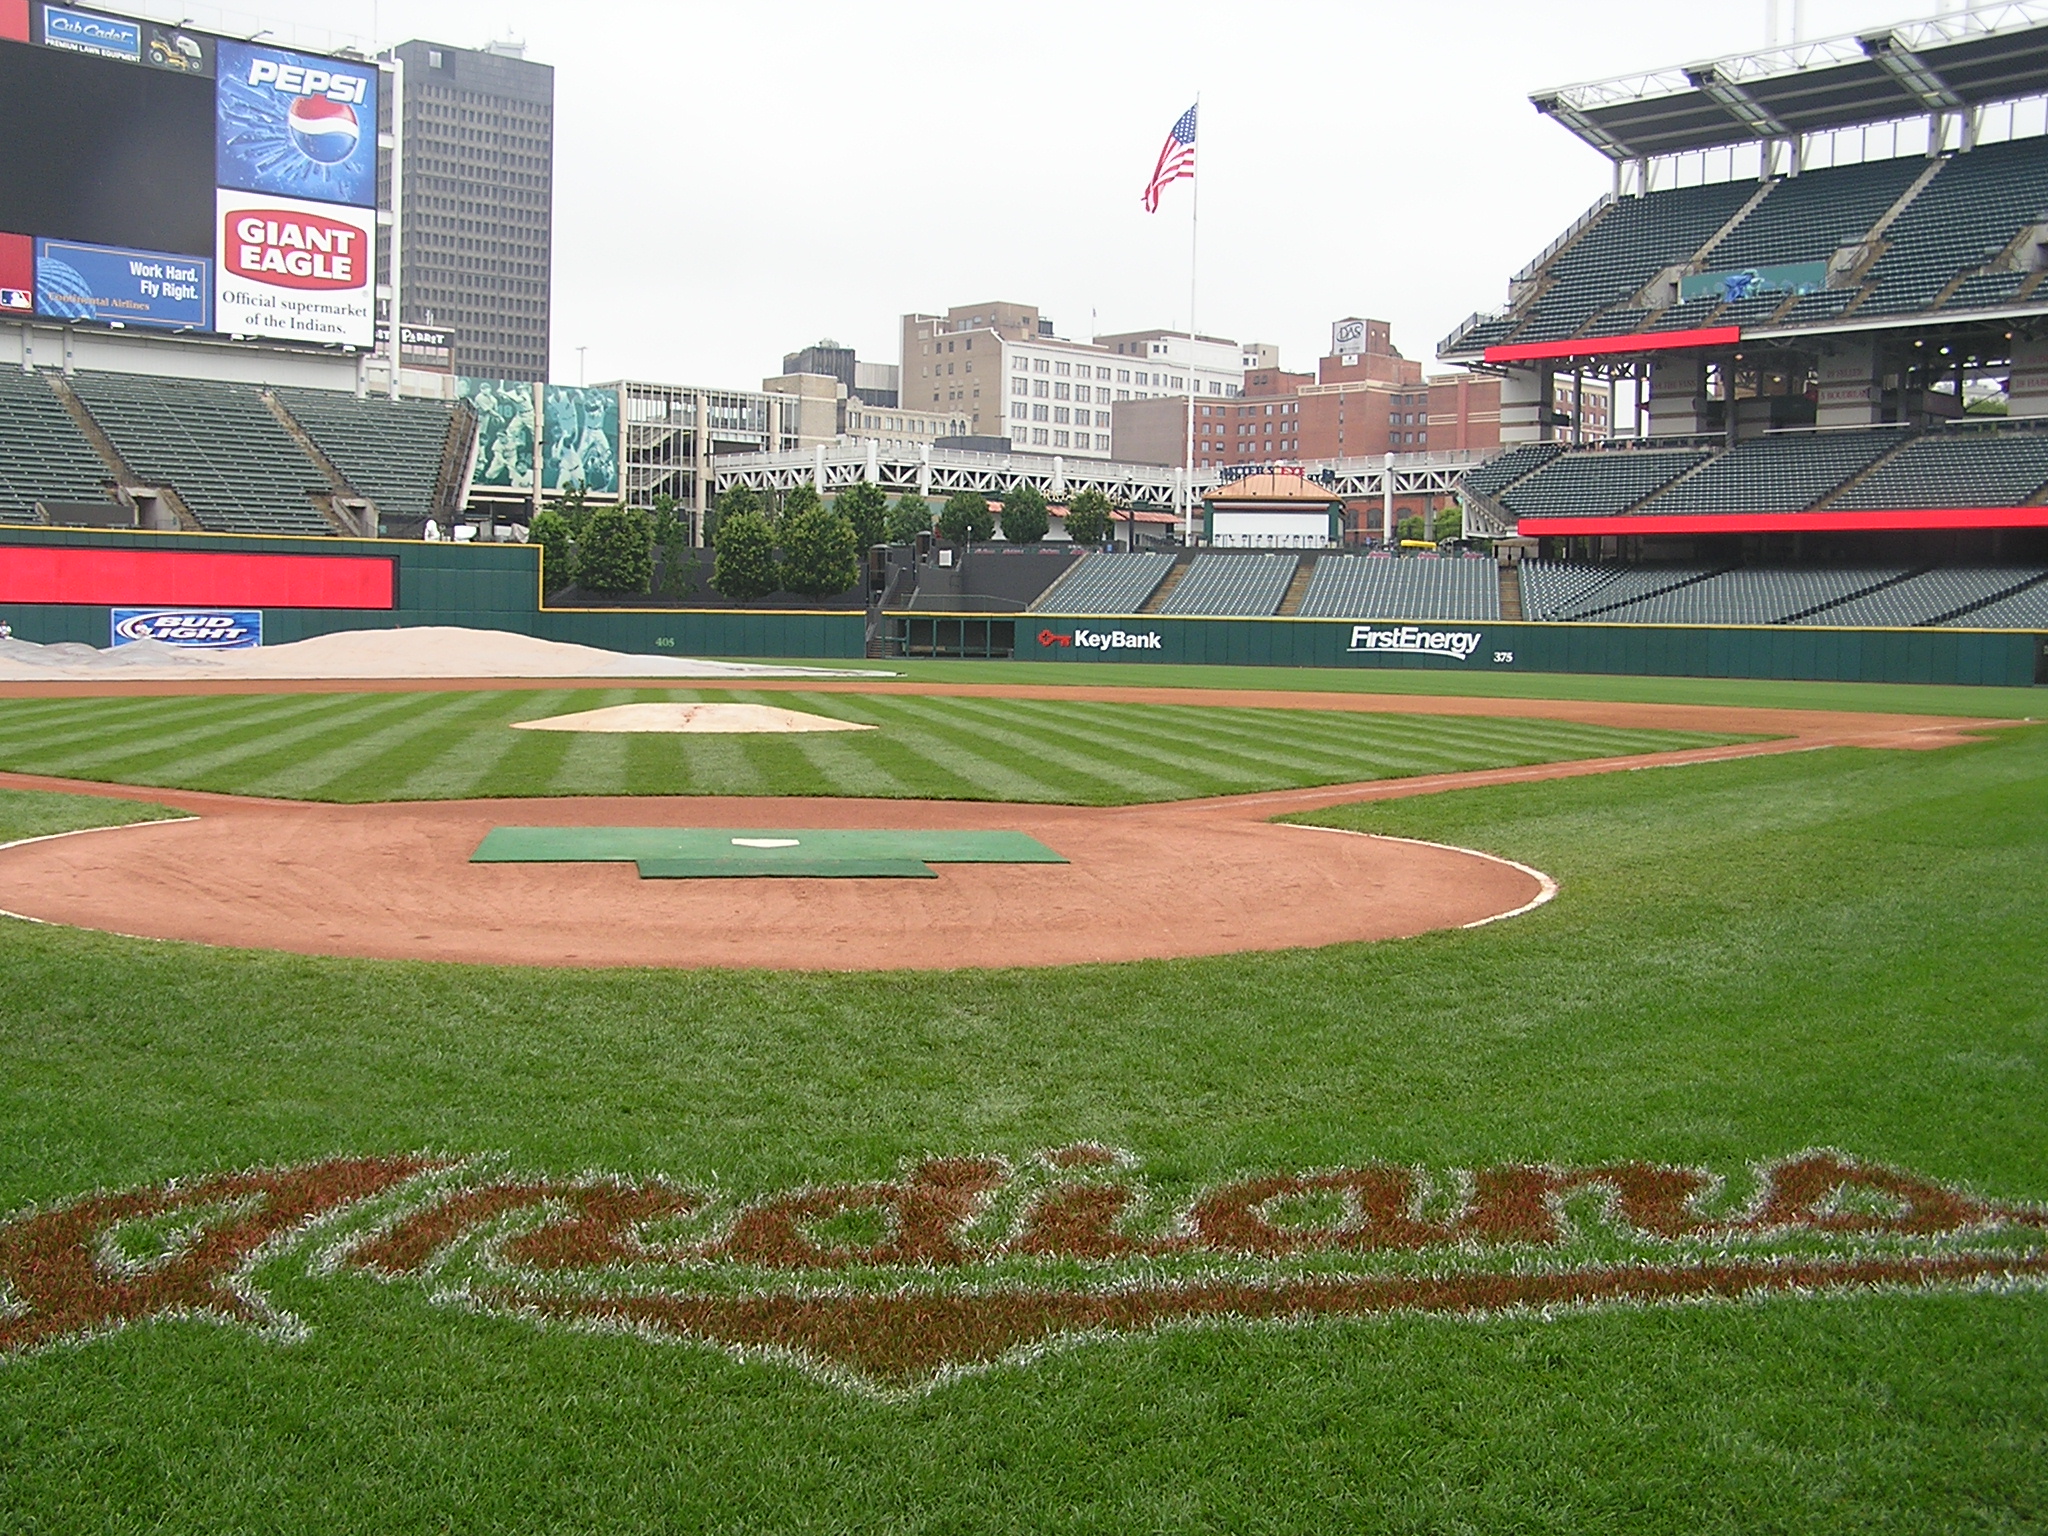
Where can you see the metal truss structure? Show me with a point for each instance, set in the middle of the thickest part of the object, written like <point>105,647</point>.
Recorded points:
<point>939,472</point>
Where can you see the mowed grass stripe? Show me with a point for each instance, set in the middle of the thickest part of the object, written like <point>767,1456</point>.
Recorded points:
<point>1254,748</point>
<point>928,729</point>
<point>595,763</point>
<point>325,758</point>
<point>31,733</point>
<point>379,756</point>
<point>1105,753</point>
<point>459,767</point>
<point>189,754</point>
<point>898,767</point>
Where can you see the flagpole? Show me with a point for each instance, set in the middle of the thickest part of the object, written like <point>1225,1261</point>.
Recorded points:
<point>1187,487</point>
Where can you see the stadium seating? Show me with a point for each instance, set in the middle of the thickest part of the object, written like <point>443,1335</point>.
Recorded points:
<point>1962,218</point>
<point>390,450</point>
<point>1598,484</point>
<point>1630,243</point>
<point>2026,609</point>
<point>1413,587</point>
<point>1246,585</point>
<point>43,455</point>
<point>1960,467</point>
<point>1114,581</point>
<point>1559,589</point>
<point>1496,475</point>
<point>1926,598</point>
<point>1779,472</point>
<point>217,444</point>
<point>1810,217</point>
<point>1751,595</point>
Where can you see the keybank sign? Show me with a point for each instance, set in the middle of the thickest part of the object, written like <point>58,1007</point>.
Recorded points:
<point>1411,641</point>
<point>1104,639</point>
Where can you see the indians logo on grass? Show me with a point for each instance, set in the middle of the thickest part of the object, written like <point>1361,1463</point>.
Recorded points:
<point>962,1263</point>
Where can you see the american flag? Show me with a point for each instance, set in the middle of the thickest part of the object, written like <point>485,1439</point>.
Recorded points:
<point>1176,159</point>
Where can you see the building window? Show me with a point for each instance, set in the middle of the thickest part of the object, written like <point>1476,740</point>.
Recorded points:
<point>1123,376</point>
<point>1102,418</point>
<point>1059,439</point>
<point>1019,436</point>
<point>1061,413</point>
<point>1038,436</point>
<point>1022,364</point>
<point>1065,370</point>
<point>1102,373</point>
<point>1102,442</point>
<point>1039,365</point>
<point>1019,411</point>
<point>1040,412</point>
<point>1040,388</point>
<point>1063,391</point>
<point>1123,394</point>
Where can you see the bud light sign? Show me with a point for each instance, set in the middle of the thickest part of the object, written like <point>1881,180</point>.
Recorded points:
<point>293,125</point>
<point>213,629</point>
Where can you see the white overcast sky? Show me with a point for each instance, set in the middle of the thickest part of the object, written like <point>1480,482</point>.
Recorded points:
<point>735,181</point>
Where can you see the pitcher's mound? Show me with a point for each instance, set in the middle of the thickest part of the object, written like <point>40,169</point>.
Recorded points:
<point>718,719</point>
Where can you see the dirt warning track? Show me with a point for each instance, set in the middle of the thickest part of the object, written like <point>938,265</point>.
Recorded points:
<point>1186,878</point>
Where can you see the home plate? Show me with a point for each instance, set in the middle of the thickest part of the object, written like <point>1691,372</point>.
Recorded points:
<point>691,719</point>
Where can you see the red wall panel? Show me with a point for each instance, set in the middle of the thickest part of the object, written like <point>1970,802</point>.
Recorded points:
<point>132,577</point>
<point>14,20</point>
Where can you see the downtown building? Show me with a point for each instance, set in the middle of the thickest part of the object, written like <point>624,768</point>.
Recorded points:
<point>474,199</point>
<point>1001,367</point>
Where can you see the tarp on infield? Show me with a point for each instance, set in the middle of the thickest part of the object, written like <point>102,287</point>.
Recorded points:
<point>683,853</point>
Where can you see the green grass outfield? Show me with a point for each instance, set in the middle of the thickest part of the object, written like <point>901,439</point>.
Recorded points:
<point>429,746</point>
<point>1760,693</point>
<point>1839,948</point>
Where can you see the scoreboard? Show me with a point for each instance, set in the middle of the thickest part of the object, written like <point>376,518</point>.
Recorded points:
<point>158,178</point>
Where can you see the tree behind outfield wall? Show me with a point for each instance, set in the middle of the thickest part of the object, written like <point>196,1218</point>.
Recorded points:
<point>794,503</point>
<point>672,546</point>
<point>743,563</point>
<point>911,516</point>
<point>866,507</point>
<point>965,519</point>
<point>1024,515</point>
<point>551,531</point>
<point>1089,518</point>
<point>616,552</point>
<point>819,557</point>
<point>733,501</point>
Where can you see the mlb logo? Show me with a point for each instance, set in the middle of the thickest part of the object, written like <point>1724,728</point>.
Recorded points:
<point>323,130</point>
<point>16,298</point>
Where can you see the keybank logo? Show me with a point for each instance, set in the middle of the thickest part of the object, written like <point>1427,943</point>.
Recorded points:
<point>1410,640</point>
<point>1104,639</point>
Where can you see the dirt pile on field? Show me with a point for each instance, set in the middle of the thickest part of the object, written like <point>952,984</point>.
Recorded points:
<point>435,651</point>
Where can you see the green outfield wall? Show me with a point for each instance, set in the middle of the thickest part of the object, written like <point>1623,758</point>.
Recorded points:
<point>497,586</point>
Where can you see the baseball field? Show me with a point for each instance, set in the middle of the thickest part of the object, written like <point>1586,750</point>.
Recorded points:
<point>1642,1127</point>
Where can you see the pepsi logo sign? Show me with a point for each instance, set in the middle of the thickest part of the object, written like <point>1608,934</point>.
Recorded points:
<point>208,630</point>
<point>301,80</point>
<point>292,250</point>
<point>323,129</point>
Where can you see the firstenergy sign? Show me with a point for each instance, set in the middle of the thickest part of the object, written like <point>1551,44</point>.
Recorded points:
<point>1408,640</point>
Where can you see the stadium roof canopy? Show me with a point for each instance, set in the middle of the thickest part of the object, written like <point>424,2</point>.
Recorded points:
<point>1948,63</point>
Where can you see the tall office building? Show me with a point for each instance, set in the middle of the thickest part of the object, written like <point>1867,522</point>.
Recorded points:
<point>477,193</point>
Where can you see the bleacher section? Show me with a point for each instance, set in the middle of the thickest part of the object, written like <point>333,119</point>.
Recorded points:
<point>1780,472</point>
<point>1753,595</point>
<point>1115,581</point>
<point>217,444</point>
<point>43,455</point>
<point>1246,585</point>
<point>390,450</point>
<point>1387,587</point>
<point>1810,217</point>
<point>1634,240</point>
<point>1496,475</point>
<point>1846,597</point>
<point>1925,598</point>
<point>2022,610</point>
<point>1962,218</point>
<point>1598,484</point>
<point>1957,468</point>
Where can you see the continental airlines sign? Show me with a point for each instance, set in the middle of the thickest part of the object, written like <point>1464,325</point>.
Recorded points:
<point>961,1263</point>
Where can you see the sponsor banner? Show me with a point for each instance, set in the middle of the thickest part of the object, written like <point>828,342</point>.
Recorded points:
<point>17,274</point>
<point>296,125</point>
<point>1082,638</point>
<point>175,49</point>
<point>1755,282</point>
<point>216,629</point>
<point>296,270</point>
<point>105,37</point>
<point>123,287</point>
<point>1409,640</point>
<point>505,431</point>
<point>582,442</point>
<point>420,347</point>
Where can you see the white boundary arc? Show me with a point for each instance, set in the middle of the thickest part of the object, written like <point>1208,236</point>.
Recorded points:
<point>1546,888</point>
